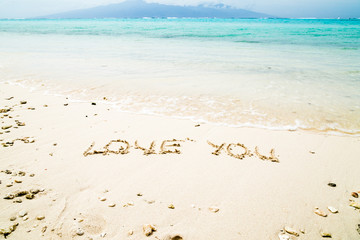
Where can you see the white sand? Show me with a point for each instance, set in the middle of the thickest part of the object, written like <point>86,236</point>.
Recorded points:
<point>256,198</point>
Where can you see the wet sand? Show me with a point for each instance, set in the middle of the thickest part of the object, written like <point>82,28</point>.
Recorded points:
<point>88,171</point>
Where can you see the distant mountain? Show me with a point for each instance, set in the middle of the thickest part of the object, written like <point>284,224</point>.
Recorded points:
<point>140,9</point>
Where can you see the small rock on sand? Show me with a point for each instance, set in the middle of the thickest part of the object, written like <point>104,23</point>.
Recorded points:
<point>23,213</point>
<point>131,232</point>
<point>30,196</point>
<point>214,209</point>
<point>291,231</point>
<point>173,237</point>
<point>40,217</point>
<point>102,199</point>
<point>355,195</point>
<point>35,191</point>
<point>325,234</point>
<point>79,232</point>
<point>148,229</point>
<point>112,205</point>
<point>355,205</point>
<point>330,184</point>
<point>9,196</point>
<point>171,206</point>
<point>332,209</point>
<point>21,193</point>
<point>13,218</point>
<point>320,213</point>
<point>283,236</point>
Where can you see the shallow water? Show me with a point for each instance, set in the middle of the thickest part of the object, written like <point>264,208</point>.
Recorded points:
<point>270,73</point>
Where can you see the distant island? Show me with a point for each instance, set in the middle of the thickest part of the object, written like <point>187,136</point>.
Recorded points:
<point>141,9</point>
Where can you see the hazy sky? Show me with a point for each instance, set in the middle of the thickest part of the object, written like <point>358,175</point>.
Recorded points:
<point>281,8</point>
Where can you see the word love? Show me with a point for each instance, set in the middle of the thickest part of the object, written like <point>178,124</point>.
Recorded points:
<point>236,150</point>
<point>123,146</point>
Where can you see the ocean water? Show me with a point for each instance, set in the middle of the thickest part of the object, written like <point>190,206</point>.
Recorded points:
<point>284,74</point>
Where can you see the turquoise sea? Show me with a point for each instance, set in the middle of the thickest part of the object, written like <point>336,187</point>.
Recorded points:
<point>284,74</point>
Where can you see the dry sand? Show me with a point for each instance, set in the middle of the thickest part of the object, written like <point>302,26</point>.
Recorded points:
<point>173,192</point>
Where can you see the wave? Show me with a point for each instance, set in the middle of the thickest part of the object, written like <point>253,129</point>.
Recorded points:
<point>129,104</point>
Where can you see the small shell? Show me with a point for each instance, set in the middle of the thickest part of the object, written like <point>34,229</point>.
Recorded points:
<point>320,213</point>
<point>355,195</point>
<point>332,209</point>
<point>291,231</point>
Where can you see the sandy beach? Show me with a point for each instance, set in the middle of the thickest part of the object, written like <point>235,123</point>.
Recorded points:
<point>82,176</point>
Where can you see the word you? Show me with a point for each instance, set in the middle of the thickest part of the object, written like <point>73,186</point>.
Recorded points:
<point>173,147</point>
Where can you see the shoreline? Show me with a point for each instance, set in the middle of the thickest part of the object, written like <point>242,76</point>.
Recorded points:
<point>114,105</point>
<point>193,194</point>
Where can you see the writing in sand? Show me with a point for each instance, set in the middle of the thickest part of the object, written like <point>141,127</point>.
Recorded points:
<point>235,150</point>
